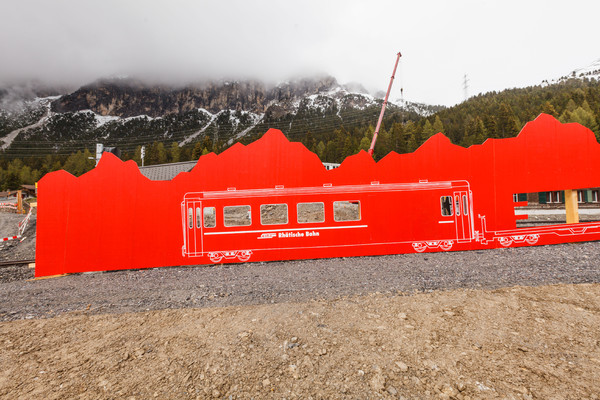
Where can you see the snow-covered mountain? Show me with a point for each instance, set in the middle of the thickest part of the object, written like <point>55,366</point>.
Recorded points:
<point>591,71</point>
<point>122,111</point>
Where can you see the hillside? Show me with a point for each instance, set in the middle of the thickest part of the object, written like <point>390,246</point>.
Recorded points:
<point>332,120</point>
<point>119,111</point>
<point>503,114</point>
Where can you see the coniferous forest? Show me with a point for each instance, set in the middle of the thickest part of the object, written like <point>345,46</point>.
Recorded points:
<point>334,136</point>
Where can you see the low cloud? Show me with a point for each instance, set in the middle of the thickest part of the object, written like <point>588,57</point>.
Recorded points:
<point>498,44</point>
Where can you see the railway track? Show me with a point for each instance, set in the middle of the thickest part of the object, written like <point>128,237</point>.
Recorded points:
<point>16,262</point>
<point>549,222</point>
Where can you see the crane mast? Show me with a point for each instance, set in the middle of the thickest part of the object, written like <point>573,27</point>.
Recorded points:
<point>383,107</point>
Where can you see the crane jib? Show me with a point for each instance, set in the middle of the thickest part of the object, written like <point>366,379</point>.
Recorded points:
<point>383,107</point>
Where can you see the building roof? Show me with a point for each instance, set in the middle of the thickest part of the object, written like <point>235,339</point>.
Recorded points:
<point>166,172</point>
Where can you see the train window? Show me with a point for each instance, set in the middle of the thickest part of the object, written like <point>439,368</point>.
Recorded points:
<point>198,217</point>
<point>457,209</point>
<point>310,212</point>
<point>465,205</point>
<point>237,216</point>
<point>446,202</point>
<point>346,211</point>
<point>191,217</point>
<point>210,217</point>
<point>273,214</point>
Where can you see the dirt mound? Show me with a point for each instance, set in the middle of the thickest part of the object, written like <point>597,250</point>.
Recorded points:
<point>519,343</point>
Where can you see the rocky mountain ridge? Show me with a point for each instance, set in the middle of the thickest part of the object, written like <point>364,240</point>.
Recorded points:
<point>127,97</point>
<point>119,110</point>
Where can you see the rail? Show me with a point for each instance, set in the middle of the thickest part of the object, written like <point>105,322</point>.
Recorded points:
<point>15,262</point>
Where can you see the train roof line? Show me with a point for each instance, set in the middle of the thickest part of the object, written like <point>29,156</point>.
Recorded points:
<point>374,186</point>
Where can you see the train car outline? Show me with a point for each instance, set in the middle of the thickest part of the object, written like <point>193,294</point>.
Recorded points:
<point>462,218</point>
<point>195,235</point>
<point>531,235</point>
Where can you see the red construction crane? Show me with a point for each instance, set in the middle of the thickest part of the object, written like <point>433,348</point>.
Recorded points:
<point>383,107</point>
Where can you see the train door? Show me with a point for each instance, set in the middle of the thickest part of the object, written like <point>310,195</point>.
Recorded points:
<point>462,215</point>
<point>194,227</point>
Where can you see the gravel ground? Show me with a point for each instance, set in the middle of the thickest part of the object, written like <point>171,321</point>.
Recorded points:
<point>521,343</point>
<point>293,281</point>
<point>275,282</point>
<point>406,326</point>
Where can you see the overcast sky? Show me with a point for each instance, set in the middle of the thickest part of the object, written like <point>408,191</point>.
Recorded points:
<point>498,44</point>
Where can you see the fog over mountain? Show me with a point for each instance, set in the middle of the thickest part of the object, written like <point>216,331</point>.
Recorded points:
<point>497,44</point>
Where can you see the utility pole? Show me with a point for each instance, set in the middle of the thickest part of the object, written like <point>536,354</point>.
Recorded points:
<point>99,151</point>
<point>142,154</point>
<point>383,107</point>
<point>466,87</point>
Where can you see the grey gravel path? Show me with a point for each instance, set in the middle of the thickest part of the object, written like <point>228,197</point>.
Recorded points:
<point>258,283</point>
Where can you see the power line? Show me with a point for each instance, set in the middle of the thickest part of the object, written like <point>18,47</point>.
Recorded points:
<point>317,124</point>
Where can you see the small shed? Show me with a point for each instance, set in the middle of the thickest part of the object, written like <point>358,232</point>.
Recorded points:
<point>28,190</point>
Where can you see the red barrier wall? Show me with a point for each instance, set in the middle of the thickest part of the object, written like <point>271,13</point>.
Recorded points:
<point>114,218</point>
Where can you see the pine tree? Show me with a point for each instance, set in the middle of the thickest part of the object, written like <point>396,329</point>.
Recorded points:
<point>197,152</point>
<point>12,182</point>
<point>309,141</point>
<point>582,115</point>
<point>571,106</point>
<point>349,147</point>
<point>398,138</point>
<point>365,143</point>
<point>321,150</point>
<point>207,143</point>
<point>428,130</point>
<point>161,153</point>
<point>331,153</point>
<point>137,155</point>
<point>474,132</point>
<point>76,163</point>
<point>174,152</point>
<point>491,126</point>
<point>89,161</point>
<point>382,146</point>
<point>548,108</point>
<point>412,141</point>
<point>438,126</point>
<point>507,123</point>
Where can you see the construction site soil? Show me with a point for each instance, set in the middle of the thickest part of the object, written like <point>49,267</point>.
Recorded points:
<point>499,324</point>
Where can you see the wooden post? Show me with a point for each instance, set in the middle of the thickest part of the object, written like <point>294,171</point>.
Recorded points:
<point>571,206</point>
<point>19,202</point>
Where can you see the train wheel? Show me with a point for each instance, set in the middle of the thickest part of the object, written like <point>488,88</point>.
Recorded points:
<point>215,257</point>
<point>532,239</point>
<point>446,245</point>
<point>419,247</point>
<point>244,255</point>
<point>505,241</point>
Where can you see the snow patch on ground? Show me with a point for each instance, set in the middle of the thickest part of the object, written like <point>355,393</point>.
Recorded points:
<point>45,102</point>
<point>194,135</point>
<point>105,119</point>
<point>256,119</point>
<point>591,71</point>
